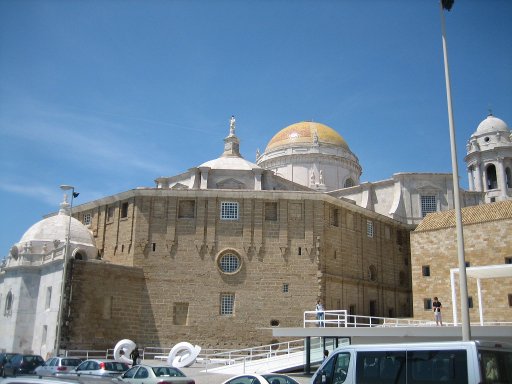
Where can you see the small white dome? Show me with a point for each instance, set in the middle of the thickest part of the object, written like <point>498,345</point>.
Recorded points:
<point>492,124</point>
<point>56,228</point>
<point>231,163</point>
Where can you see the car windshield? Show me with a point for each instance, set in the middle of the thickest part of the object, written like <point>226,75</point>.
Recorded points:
<point>279,379</point>
<point>167,371</point>
<point>116,367</point>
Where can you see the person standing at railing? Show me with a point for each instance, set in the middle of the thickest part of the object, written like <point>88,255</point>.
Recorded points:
<point>320,314</point>
<point>436,306</point>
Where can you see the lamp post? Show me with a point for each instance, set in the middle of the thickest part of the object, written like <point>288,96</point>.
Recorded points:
<point>464,308</point>
<point>64,270</point>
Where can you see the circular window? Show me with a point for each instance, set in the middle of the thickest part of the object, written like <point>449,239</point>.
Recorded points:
<point>486,139</point>
<point>229,263</point>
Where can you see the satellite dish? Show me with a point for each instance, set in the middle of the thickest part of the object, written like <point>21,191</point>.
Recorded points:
<point>14,252</point>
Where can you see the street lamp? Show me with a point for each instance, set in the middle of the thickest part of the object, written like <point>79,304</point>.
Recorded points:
<point>64,187</point>
<point>466,329</point>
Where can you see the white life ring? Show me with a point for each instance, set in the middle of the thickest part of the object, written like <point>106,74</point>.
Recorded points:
<point>127,346</point>
<point>183,355</point>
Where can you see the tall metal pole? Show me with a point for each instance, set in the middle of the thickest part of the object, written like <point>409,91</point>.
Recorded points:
<point>466,331</point>
<point>64,271</point>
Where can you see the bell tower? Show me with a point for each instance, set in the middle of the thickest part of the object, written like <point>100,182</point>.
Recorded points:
<point>489,159</point>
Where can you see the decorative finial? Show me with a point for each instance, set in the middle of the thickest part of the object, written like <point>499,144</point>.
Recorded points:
<point>232,124</point>
<point>258,154</point>
<point>490,111</point>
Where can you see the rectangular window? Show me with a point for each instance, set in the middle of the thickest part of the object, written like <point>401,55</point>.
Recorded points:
<point>350,221</point>
<point>433,366</point>
<point>229,210</point>
<point>510,299</point>
<point>508,260</point>
<point>334,217</point>
<point>380,367</point>
<point>48,297</point>
<point>295,212</point>
<point>107,307</point>
<point>373,307</point>
<point>425,270</point>
<point>124,210</point>
<point>369,228</point>
<point>153,247</point>
<point>87,219</point>
<point>227,303</point>
<point>285,288</point>
<point>180,313</point>
<point>300,251</point>
<point>45,333</point>
<point>187,209</point>
<point>428,204</point>
<point>351,313</point>
<point>470,302</point>
<point>271,211</point>
<point>110,213</point>
<point>427,304</point>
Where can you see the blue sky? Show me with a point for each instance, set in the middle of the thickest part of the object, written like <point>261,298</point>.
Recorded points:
<point>107,95</point>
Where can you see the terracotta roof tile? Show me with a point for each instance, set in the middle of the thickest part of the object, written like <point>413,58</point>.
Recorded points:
<point>501,210</point>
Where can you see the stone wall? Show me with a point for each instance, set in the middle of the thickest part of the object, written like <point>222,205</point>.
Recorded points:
<point>486,243</point>
<point>291,253</point>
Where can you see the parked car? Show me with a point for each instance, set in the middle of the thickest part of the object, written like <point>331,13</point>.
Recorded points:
<point>4,358</point>
<point>266,378</point>
<point>57,365</point>
<point>22,364</point>
<point>147,374</point>
<point>56,380</point>
<point>100,367</point>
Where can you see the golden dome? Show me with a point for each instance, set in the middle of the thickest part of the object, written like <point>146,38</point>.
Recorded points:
<point>306,132</point>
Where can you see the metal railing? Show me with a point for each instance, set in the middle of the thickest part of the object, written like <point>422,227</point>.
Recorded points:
<point>213,358</point>
<point>341,318</point>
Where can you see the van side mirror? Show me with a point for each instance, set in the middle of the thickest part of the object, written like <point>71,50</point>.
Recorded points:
<point>321,378</point>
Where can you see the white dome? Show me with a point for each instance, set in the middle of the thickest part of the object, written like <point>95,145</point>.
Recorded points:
<point>492,124</point>
<point>231,163</point>
<point>56,228</point>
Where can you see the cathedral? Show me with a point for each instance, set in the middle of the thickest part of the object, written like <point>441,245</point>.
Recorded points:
<point>222,253</point>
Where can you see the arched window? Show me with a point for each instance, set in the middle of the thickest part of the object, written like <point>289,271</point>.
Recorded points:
<point>372,273</point>
<point>508,175</point>
<point>349,183</point>
<point>492,181</point>
<point>8,304</point>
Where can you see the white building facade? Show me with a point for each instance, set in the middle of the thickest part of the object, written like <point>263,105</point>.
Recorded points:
<point>31,282</point>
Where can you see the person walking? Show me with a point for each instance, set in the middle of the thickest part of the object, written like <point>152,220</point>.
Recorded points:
<point>319,313</point>
<point>436,306</point>
<point>134,355</point>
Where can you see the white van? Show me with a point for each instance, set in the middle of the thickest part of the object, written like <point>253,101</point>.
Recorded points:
<point>454,362</point>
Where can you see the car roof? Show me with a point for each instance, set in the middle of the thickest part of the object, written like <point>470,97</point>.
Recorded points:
<point>104,360</point>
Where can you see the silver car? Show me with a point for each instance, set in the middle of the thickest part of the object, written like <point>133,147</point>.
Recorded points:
<point>56,366</point>
<point>100,367</point>
<point>147,374</point>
